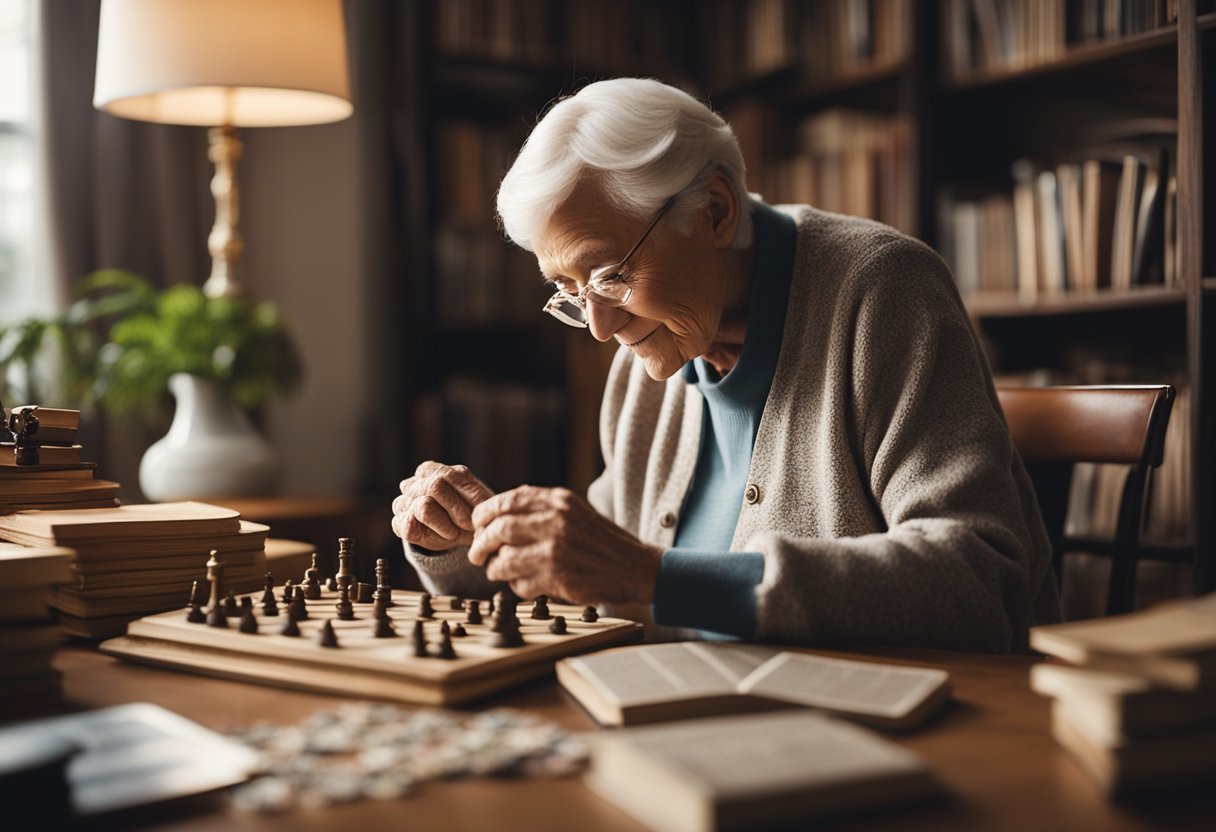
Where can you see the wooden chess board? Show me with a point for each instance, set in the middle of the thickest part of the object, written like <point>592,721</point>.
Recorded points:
<point>361,664</point>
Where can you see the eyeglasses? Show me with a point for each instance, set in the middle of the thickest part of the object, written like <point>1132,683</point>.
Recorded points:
<point>606,285</point>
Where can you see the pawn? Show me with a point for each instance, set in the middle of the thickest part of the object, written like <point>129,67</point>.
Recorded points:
<point>425,610</point>
<point>328,637</point>
<point>268,592</point>
<point>298,608</point>
<point>346,610</point>
<point>196,616</point>
<point>288,591</point>
<point>446,650</point>
<point>383,628</point>
<point>249,622</point>
<point>540,608</point>
<point>590,613</point>
<point>331,583</point>
<point>474,616</point>
<point>418,637</point>
<point>364,592</point>
<point>290,627</point>
<point>217,618</point>
<point>269,606</point>
<point>459,631</point>
<point>558,627</point>
<point>230,606</point>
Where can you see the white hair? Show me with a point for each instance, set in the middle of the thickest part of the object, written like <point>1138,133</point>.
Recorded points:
<point>642,140</point>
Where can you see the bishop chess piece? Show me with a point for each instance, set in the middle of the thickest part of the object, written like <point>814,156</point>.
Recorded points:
<point>346,560</point>
<point>540,608</point>
<point>346,610</point>
<point>590,613</point>
<point>249,622</point>
<point>328,637</point>
<point>425,610</point>
<point>474,616</point>
<point>558,627</point>
<point>291,627</point>
<point>418,639</point>
<point>312,580</point>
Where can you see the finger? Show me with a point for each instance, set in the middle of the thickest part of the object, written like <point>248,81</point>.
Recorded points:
<point>434,517</point>
<point>508,530</point>
<point>473,489</point>
<point>400,502</point>
<point>516,562</point>
<point>452,501</point>
<point>417,534</point>
<point>526,498</point>
<point>396,526</point>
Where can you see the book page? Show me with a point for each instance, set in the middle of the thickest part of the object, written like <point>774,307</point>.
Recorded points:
<point>771,753</point>
<point>842,685</point>
<point>1174,627</point>
<point>651,672</point>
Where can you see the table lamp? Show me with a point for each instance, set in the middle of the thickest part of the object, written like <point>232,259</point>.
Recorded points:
<point>223,64</point>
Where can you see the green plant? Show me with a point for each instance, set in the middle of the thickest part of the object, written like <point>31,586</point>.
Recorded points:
<point>122,339</point>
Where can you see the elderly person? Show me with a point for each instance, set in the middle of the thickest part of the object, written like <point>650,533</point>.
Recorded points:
<point>801,436</point>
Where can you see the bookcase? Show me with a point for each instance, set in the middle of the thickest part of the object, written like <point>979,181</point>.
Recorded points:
<point>967,123</point>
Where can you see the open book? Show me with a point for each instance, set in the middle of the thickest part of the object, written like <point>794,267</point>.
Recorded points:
<point>656,682</point>
<point>746,772</point>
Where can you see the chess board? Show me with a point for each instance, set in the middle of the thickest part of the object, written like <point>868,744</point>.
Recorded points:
<point>361,664</point>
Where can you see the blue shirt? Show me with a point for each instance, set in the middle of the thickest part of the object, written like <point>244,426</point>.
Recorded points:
<point>701,583</point>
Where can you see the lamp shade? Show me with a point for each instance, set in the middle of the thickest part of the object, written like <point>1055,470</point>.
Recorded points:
<point>244,63</point>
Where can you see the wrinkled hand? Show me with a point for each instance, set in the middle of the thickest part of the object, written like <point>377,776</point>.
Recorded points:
<point>550,541</point>
<point>435,509</point>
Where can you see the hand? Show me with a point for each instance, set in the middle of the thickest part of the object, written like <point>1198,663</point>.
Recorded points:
<point>435,509</point>
<point>550,541</point>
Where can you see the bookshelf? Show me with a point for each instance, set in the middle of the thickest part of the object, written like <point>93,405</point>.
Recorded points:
<point>924,104</point>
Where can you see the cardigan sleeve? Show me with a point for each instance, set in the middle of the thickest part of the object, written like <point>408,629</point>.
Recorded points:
<point>962,553</point>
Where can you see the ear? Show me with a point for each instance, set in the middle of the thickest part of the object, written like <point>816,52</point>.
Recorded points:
<point>723,210</point>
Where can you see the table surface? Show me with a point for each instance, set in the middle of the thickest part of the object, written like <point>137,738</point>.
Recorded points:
<point>991,747</point>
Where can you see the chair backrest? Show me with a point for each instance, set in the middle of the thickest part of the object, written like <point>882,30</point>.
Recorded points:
<point>1055,427</point>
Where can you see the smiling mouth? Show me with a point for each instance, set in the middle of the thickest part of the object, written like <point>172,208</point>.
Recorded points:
<point>644,338</point>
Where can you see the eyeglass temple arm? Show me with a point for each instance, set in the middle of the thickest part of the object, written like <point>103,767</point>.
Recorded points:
<point>646,233</point>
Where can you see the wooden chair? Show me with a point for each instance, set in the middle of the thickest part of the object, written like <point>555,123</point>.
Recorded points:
<point>1055,427</point>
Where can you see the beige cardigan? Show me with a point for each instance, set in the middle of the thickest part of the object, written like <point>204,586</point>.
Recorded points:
<point>889,504</point>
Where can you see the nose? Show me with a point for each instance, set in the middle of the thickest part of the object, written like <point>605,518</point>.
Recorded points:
<point>605,321</point>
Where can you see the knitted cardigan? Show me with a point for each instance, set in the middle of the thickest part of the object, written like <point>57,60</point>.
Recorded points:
<point>888,501</point>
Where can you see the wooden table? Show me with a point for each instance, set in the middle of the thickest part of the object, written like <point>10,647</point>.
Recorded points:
<point>992,749</point>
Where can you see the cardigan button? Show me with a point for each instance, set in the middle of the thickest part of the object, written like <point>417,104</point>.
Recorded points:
<point>667,520</point>
<point>751,494</point>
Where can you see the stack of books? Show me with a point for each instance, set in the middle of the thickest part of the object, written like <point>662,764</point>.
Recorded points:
<point>60,480</point>
<point>139,559</point>
<point>28,632</point>
<point>1136,705</point>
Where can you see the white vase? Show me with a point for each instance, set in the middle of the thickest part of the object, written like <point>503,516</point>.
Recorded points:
<point>211,449</point>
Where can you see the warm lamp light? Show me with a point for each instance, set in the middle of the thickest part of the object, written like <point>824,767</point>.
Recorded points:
<point>223,64</point>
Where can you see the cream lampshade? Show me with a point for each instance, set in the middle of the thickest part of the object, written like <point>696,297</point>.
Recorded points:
<point>223,64</point>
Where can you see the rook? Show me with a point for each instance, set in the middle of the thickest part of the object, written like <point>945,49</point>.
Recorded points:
<point>364,593</point>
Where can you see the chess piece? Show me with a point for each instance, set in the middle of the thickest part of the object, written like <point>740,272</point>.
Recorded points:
<point>331,583</point>
<point>217,618</point>
<point>196,594</point>
<point>504,618</point>
<point>215,576</point>
<point>298,608</point>
<point>312,580</point>
<point>459,631</point>
<point>383,628</point>
<point>425,610</point>
<point>456,603</point>
<point>290,627</point>
<point>346,610</point>
<point>418,637</point>
<point>230,607</point>
<point>490,607</point>
<point>364,593</point>
<point>590,613</point>
<point>196,616</point>
<point>378,608</point>
<point>474,616</point>
<point>288,591</point>
<point>558,627</point>
<point>508,635</point>
<point>346,555</point>
<point>268,592</point>
<point>269,606</point>
<point>22,423</point>
<point>540,608</point>
<point>328,637</point>
<point>246,603</point>
<point>446,650</point>
<point>445,629</point>
<point>384,590</point>
<point>249,622</point>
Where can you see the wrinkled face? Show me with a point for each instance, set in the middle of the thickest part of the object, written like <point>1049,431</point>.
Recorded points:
<point>680,287</point>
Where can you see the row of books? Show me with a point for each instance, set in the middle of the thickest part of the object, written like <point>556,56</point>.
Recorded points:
<point>481,279</point>
<point>1074,228</point>
<point>60,479</point>
<point>603,33</point>
<point>1135,703</point>
<point>991,35</point>
<point>136,559</point>
<point>507,434</point>
<point>848,162</point>
<point>28,631</point>
<point>830,39</point>
<point>472,158</point>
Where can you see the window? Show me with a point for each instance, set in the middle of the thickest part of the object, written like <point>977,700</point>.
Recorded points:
<point>24,283</point>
